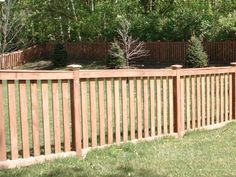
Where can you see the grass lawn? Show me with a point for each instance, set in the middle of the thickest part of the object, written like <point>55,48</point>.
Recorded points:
<point>200,153</point>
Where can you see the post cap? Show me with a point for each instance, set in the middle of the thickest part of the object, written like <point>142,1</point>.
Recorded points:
<point>175,67</point>
<point>233,63</point>
<point>73,67</point>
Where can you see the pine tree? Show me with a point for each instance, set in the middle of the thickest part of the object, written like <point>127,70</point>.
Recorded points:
<point>196,57</point>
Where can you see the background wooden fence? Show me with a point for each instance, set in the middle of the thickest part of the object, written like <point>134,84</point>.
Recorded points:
<point>160,53</point>
<point>55,112</point>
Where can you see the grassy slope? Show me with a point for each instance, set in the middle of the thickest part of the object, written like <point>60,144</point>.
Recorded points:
<point>200,153</point>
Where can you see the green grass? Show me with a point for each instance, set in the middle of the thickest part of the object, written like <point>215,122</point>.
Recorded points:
<point>200,153</point>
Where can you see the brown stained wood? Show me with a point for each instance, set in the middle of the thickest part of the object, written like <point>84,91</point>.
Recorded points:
<point>226,101</point>
<point>13,119</point>
<point>146,111</point>
<point>152,105</point>
<point>222,98</point>
<point>46,121</point>
<point>203,103</point>
<point>56,117</point>
<point>132,108</point>
<point>193,101</point>
<point>101,111</point>
<point>212,99</point>
<point>159,122</point>
<point>24,119</point>
<point>183,99</point>
<point>65,104</point>
<point>231,86</point>
<point>35,118</point>
<point>84,92</point>
<point>139,108</point>
<point>165,106</point>
<point>208,97</point>
<point>117,110</point>
<point>198,102</point>
<point>217,99</point>
<point>109,112</point>
<point>188,102</point>
<point>124,110</point>
<point>2,127</point>
<point>93,112</point>
<point>171,108</point>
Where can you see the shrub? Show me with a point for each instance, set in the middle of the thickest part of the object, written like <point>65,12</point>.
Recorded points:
<point>59,56</point>
<point>196,57</point>
<point>115,58</point>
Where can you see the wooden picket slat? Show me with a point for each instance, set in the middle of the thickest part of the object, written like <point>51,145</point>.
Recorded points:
<point>124,110</point>
<point>132,108</point>
<point>46,121</point>
<point>208,96</point>
<point>165,106</point>
<point>101,111</point>
<point>213,113</point>
<point>117,110</point>
<point>139,108</point>
<point>198,102</point>
<point>152,105</point>
<point>24,120</point>
<point>93,112</point>
<point>230,97</point>
<point>193,101</point>
<point>171,106</point>
<point>217,99</point>
<point>226,89</point>
<point>222,98</point>
<point>66,108</point>
<point>203,103</point>
<point>84,94</point>
<point>145,107</point>
<point>158,91</point>
<point>188,102</point>
<point>109,112</point>
<point>56,117</point>
<point>2,127</point>
<point>35,118</point>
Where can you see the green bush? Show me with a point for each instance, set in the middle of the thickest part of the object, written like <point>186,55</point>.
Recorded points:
<point>115,58</point>
<point>196,57</point>
<point>59,56</point>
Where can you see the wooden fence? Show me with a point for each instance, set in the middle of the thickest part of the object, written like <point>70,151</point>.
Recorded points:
<point>159,53</point>
<point>43,113</point>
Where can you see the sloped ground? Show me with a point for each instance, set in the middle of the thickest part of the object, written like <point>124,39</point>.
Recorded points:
<point>200,153</point>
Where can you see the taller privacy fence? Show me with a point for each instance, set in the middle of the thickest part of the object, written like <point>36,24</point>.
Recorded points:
<point>159,53</point>
<point>54,113</point>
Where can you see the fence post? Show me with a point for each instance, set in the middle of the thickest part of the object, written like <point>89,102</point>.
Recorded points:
<point>233,64</point>
<point>75,110</point>
<point>178,120</point>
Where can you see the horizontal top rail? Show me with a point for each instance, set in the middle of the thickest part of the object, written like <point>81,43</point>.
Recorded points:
<point>35,75</point>
<point>126,73</point>
<point>206,71</point>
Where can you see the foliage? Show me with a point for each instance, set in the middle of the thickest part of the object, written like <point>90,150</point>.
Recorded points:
<point>59,56</point>
<point>115,58</point>
<point>196,57</point>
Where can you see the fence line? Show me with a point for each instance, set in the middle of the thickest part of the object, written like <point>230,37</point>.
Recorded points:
<point>53,112</point>
<point>160,52</point>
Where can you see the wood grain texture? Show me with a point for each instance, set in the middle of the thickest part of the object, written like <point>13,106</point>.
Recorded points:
<point>93,112</point>
<point>132,107</point>
<point>3,154</point>
<point>117,110</point>
<point>140,108</point>
<point>84,94</point>
<point>124,110</point>
<point>101,110</point>
<point>109,111</point>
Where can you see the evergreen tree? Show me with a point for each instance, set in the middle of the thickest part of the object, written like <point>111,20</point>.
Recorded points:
<point>196,56</point>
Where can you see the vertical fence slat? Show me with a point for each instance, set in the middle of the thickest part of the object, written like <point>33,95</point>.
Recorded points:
<point>212,99</point>
<point>152,107</point>
<point>145,102</point>
<point>158,91</point>
<point>2,127</point>
<point>188,102</point>
<point>217,99</point>
<point>171,116</point>
<point>24,119</point>
<point>101,111</point>
<point>56,117</point>
<point>165,106</point>
<point>124,110</point>
<point>193,101</point>
<point>226,89</point>
<point>84,113</point>
<point>198,102</point>
<point>35,118</point>
<point>208,106</point>
<point>93,112</point>
<point>139,108</point>
<point>222,98</point>
<point>46,121</point>
<point>109,111</point>
<point>117,110</point>
<point>132,108</point>
<point>65,103</point>
<point>230,96</point>
<point>203,103</point>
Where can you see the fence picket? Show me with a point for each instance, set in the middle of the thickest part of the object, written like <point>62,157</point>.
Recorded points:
<point>2,126</point>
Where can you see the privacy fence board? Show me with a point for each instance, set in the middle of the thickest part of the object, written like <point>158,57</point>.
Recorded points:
<point>47,113</point>
<point>221,52</point>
